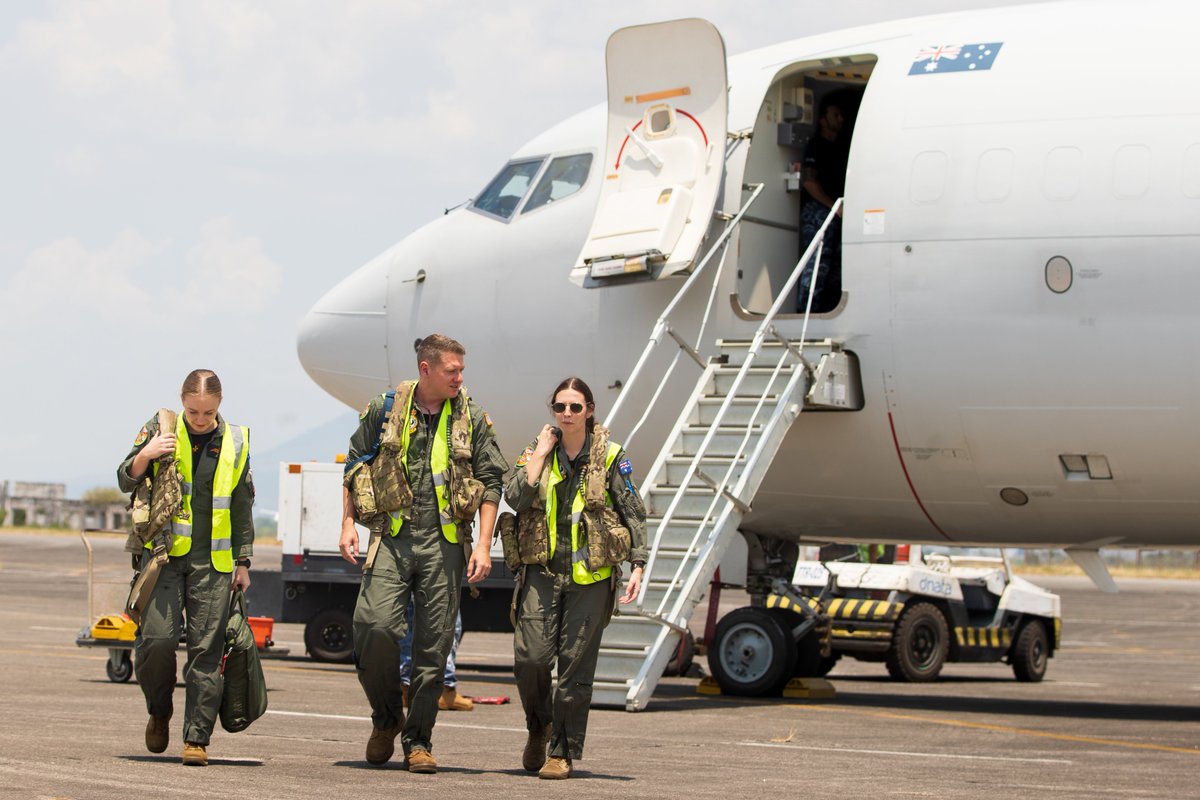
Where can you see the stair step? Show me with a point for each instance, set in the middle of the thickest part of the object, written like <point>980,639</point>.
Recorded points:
<point>666,562</point>
<point>695,502</point>
<point>726,441</point>
<point>758,381</point>
<point>741,410</point>
<point>610,694</point>
<point>734,346</point>
<point>628,631</point>
<point>714,467</point>
<point>679,532</point>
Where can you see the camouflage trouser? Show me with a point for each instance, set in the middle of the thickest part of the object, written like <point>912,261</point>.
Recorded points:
<point>187,586</point>
<point>421,564</point>
<point>829,277</point>
<point>559,620</point>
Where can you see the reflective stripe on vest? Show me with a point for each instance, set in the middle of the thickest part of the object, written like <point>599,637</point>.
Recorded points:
<point>235,452</point>
<point>439,465</point>
<point>579,551</point>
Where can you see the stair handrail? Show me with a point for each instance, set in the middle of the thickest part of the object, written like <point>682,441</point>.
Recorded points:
<point>814,248</point>
<point>662,325</point>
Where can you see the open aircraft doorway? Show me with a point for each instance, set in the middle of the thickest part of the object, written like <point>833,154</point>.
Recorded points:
<point>787,130</point>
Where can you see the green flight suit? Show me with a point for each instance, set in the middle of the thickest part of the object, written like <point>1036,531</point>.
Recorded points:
<point>417,561</point>
<point>559,620</point>
<point>191,596</point>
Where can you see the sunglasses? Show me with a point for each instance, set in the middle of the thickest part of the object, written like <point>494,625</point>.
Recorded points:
<point>558,408</point>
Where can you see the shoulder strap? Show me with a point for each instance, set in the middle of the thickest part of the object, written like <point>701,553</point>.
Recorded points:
<point>389,400</point>
<point>597,475</point>
<point>167,419</point>
<point>460,428</point>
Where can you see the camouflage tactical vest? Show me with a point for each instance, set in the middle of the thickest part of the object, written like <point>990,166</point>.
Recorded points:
<point>607,541</point>
<point>388,473</point>
<point>158,496</point>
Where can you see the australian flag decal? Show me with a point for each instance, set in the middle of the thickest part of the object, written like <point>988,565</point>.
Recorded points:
<point>954,58</point>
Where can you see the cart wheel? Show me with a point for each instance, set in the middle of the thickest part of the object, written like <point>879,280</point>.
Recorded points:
<point>122,671</point>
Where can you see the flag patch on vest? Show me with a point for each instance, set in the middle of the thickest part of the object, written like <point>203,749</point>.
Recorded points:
<point>142,436</point>
<point>625,467</point>
<point>523,459</point>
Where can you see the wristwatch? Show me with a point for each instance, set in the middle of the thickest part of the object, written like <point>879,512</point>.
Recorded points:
<point>638,564</point>
<point>244,562</point>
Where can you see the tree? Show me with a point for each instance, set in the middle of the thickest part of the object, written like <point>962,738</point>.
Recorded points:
<point>103,496</point>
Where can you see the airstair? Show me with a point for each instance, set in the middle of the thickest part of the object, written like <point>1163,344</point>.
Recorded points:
<point>704,479</point>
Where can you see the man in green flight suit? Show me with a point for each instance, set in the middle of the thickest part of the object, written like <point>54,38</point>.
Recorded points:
<point>417,548</point>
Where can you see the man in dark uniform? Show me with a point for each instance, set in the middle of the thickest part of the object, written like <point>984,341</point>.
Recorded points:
<point>421,556</point>
<point>824,181</point>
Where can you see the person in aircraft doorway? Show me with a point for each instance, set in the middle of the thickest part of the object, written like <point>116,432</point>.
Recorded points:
<point>579,518</point>
<point>823,179</point>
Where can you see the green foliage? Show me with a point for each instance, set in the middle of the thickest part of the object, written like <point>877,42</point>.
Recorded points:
<point>266,528</point>
<point>103,496</point>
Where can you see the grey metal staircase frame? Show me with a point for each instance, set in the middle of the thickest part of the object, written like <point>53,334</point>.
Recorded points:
<point>730,497</point>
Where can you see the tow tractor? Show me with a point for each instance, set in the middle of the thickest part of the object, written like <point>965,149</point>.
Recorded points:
<point>914,608</point>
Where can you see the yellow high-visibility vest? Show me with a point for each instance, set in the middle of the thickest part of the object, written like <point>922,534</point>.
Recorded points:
<point>579,552</point>
<point>439,465</point>
<point>235,453</point>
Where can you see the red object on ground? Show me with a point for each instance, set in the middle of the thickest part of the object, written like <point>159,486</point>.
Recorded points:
<point>262,627</point>
<point>490,701</point>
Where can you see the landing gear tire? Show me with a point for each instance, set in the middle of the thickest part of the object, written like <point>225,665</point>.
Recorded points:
<point>329,636</point>
<point>919,645</point>
<point>681,660</point>
<point>1031,652</point>
<point>809,663</point>
<point>827,663</point>
<point>122,671</point>
<point>752,653</point>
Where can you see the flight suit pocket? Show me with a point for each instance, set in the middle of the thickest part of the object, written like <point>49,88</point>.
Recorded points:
<point>392,492</point>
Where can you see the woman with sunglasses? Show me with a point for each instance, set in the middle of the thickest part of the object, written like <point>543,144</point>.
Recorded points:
<point>565,597</point>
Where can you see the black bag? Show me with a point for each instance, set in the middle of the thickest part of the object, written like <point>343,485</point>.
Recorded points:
<point>244,698</point>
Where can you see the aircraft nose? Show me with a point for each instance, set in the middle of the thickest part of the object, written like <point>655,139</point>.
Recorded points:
<point>342,343</point>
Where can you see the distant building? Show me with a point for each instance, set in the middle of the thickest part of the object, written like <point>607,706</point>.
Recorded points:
<point>46,505</point>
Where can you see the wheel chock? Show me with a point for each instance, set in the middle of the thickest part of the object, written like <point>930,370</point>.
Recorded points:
<point>810,689</point>
<point>708,685</point>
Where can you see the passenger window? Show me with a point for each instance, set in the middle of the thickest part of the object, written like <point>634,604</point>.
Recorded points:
<point>565,176</point>
<point>502,195</point>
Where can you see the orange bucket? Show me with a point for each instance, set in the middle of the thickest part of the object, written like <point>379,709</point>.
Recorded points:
<point>262,627</point>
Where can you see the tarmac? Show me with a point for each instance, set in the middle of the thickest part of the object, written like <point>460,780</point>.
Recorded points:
<point>1116,716</point>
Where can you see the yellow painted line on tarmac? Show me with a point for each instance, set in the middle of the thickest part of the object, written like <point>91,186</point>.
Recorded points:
<point>1062,737</point>
<point>985,726</point>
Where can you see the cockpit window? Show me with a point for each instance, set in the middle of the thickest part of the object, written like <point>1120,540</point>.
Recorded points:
<point>565,176</point>
<point>504,193</point>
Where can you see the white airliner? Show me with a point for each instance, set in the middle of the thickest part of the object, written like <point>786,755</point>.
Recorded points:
<point>1008,363</point>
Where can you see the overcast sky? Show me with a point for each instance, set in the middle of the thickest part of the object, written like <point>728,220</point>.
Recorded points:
<point>183,180</point>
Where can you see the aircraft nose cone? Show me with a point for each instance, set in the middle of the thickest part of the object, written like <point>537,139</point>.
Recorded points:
<point>342,343</point>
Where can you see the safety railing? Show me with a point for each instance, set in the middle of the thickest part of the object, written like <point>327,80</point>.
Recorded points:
<point>662,325</point>
<point>684,578</point>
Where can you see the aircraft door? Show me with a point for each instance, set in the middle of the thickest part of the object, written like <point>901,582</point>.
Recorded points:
<point>665,152</point>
